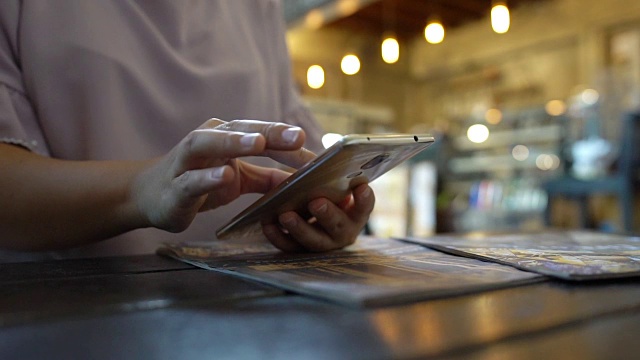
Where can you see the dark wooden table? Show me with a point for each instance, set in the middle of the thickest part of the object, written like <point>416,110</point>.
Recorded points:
<point>156,308</point>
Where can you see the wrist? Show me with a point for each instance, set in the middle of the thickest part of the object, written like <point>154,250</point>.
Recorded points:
<point>132,209</point>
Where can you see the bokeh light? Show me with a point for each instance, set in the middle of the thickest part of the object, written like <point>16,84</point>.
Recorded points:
<point>520,152</point>
<point>315,76</point>
<point>390,50</point>
<point>347,7</point>
<point>547,162</point>
<point>500,19</point>
<point>478,133</point>
<point>493,116</point>
<point>589,96</point>
<point>329,139</point>
<point>350,64</point>
<point>434,32</point>
<point>314,19</point>
<point>555,107</point>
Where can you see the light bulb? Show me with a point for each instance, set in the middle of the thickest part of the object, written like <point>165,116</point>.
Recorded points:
<point>434,32</point>
<point>500,19</point>
<point>350,64</point>
<point>315,76</point>
<point>478,133</point>
<point>390,50</point>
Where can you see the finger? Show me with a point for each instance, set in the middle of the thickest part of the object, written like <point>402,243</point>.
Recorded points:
<point>309,236</point>
<point>258,179</point>
<point>279,239</point>
<point>248,178</point>
<point>210,147</point>
<point>333,220</point>
<point>340,221</point>
<point>279,136</point>
<point>195,183</point>
<point>363,204</point>
<point>293,158</point>
<point>334,227</point>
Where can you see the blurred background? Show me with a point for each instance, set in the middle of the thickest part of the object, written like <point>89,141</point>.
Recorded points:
<point>533,104</point>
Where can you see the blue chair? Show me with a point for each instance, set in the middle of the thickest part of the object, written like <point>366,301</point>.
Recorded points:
<point>622,183</point>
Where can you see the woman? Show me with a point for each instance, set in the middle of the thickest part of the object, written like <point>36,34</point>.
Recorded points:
<point>102,131</point>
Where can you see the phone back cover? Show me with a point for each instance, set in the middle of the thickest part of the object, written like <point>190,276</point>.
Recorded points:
<point>332,175</point>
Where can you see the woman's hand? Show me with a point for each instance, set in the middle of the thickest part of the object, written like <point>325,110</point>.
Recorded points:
<point>333,226</point>
<point>202,172</point>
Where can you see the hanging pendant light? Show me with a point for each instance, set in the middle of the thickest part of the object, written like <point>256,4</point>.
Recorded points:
<point>390,49</point>
<point>350,64</point>
<point>434,32</point>
<point>500,18</point>
<point>315,76</point>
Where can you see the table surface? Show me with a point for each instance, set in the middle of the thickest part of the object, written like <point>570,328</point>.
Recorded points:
<point>153,307</point>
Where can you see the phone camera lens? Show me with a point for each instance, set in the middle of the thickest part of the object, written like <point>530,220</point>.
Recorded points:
<point>375,161</point>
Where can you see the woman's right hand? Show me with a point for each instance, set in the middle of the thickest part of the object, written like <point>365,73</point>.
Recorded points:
<point>203,171</point>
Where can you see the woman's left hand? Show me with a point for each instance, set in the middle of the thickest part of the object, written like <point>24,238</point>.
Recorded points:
<point>333,226</point>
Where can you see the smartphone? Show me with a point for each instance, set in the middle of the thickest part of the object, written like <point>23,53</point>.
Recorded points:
<point>351,161</point>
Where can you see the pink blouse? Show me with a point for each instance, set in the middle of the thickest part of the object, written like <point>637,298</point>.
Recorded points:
<point>126,79</point>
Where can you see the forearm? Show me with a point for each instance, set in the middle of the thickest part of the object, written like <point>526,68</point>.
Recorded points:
<point>48,204</point>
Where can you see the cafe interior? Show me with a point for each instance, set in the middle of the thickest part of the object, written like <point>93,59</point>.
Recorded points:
<point>531,102</point>
<point>535,110</point>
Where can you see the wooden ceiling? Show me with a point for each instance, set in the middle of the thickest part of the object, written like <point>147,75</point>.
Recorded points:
<point>409,17</point>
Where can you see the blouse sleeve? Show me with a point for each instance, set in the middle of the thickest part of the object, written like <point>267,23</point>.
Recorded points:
<point>18,122</point>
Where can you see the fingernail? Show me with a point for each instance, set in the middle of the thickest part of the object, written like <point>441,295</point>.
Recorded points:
<point>366,193</point>
<point>217,173</point>
<point>291,135</point>
<point>288,220</point>
<point>248,140</point>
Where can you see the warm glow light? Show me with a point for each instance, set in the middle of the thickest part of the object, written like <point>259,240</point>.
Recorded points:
<point>520,152</point>
<point>500,20</point>
<point>347,7</point>
<point>390,50</point>
<point>555,107</point>
<point>478,133</point>
<point>493,116</point>
<point>350,64</point>
<point>314,19</point>
<point>315,76</point>
<point>329,139</point>
<point>434,32</point>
